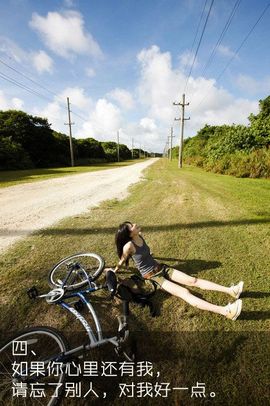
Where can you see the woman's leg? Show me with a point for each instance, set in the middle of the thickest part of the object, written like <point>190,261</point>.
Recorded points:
<point>184,294</point>
<point>184,279</point>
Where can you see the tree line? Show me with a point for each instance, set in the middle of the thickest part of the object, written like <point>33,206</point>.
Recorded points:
<point>238,150</point>
<point>28,141</point>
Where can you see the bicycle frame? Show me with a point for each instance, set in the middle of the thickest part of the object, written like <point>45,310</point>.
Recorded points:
<point>94,341</point>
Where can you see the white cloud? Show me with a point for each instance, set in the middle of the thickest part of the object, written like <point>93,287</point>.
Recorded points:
<point>144,136</point>
<point>78,99</point>
<point>7,104</point>
<point>160,85</point>
<point>235,112</point>
<point>148,124</point>
<point>251,85</point>
<point>17,103</point>
<point>69,3</point>
<point>226,51</point>
<point>42,62</point>
<point>186,59</point>
<point>64,34</point>
<point>90,72</point>
<point>55,115</point>
<point>123,98</point>
<point>56,111</point>
<point>104,121</point>
<point>11,49</point>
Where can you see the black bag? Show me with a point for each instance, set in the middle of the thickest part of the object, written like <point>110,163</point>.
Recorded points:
<point>139,291</point>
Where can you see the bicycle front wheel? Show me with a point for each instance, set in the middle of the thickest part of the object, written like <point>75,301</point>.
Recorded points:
<point>31,371</point>
<point>72,272</point>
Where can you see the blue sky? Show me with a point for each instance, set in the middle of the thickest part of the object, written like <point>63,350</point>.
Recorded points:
<point>124,62</point>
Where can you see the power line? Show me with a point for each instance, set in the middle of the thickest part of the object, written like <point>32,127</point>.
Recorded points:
<point>25,87</point>
<point>35,93</point>
<point>28,78</point>
<point>197,30</point>
<point>238,49</point>
<point>22,86</point>
<point>198,46</point>
<point>225,29</point>
<point>244,40</point>
<point>38,94</point>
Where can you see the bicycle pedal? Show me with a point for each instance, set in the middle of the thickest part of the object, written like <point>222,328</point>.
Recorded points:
<point>32,292</point>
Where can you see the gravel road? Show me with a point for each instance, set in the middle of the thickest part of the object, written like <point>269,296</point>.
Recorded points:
<point>32,206</point>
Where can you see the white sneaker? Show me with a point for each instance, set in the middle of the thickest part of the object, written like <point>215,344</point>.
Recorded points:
<point>233,309</point>
<point>236,290</point>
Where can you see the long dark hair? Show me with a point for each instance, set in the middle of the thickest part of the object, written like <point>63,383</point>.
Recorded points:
<point>122,236</point>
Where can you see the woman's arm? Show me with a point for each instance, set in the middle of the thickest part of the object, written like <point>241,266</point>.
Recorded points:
<point>127,251</point>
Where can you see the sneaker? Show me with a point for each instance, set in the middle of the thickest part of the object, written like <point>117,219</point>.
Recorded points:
<point>236,290</point>
<point>233,309</point>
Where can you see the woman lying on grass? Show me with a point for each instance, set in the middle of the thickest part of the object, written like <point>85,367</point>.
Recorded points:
<point>130,243</point>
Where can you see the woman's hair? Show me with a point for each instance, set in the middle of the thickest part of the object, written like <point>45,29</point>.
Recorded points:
<point>122,236</point>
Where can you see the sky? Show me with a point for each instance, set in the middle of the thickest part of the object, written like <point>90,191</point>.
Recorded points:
<point>123,63</point>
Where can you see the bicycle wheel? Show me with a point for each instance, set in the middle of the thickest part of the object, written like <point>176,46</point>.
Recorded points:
<point>26,374</point>
<point>71,271</point>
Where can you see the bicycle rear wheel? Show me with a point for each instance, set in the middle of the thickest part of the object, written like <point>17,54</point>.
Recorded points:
<point>71,271</point>
<point>26,370</point>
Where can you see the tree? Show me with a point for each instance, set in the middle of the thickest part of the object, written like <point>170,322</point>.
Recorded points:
<point>33,134</point>
<point>13,156</point>
<point>89,148</point>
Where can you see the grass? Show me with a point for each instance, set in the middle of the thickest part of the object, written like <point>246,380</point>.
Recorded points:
<point>10,178</point>
<point>211,226</point>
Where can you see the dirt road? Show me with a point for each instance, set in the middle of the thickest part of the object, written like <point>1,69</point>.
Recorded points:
<point>32,206</point>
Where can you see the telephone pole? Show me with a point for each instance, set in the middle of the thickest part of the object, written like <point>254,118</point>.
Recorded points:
<point>118,153</point>
<point>70,134</point>
<point>132,154</point>
<point>171,136</point>
<point>181,139</point>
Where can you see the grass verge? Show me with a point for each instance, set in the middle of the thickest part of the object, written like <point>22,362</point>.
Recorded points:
<point>211,226</point>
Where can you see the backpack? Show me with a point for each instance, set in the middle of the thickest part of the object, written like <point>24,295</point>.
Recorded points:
<point>137,290</point>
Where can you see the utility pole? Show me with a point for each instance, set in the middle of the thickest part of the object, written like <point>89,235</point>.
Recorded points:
<point>140,150</point>
<point>168,146</point>
<point>118,154</point>
<point>70,134</point>
<point>132,148</point>
<point>166,149</point>
<point>171,136</point>
<point>181,139</point>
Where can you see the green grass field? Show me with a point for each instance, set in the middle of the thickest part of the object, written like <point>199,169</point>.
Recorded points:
<point>211,226</point>
<point>10,178</point>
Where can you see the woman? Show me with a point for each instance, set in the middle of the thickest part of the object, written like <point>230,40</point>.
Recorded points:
<point>131,244</point>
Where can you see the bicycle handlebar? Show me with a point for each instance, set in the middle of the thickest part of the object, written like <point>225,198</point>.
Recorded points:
<point>56,294</point>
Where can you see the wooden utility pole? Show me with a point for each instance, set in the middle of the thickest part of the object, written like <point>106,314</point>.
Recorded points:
<point>171,137</point>
<point>118,152</point>
<point>181,138</point>
<point>132,148</point>
<point>70,134</point>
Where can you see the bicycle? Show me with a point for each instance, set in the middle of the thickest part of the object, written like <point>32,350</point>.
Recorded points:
<point>48,345</point>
